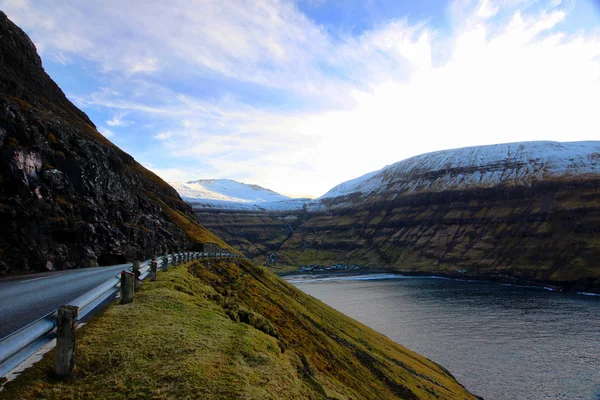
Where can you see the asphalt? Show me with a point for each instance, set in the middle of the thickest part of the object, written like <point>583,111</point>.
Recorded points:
<point>24,299</point>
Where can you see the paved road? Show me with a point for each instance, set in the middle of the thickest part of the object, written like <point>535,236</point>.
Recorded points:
<point>26,298</point>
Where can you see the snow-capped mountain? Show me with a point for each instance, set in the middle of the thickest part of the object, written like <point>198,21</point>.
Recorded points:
<point>230,194</point>
<point>478,167</point>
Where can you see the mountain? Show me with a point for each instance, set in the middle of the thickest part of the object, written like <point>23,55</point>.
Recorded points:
<point>521,211</point>
<point>68,196</point>
<point>228,194</point>
<point>225,190</point>
<point>513,164</point>
<point>251,218</point>
<point>525,211</point>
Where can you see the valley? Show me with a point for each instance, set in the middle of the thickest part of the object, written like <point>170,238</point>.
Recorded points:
<point>526,212</point>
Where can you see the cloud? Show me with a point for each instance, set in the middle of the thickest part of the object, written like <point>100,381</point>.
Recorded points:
<point>117,120</point>
<point>163,136</point>
<point>283,103</point>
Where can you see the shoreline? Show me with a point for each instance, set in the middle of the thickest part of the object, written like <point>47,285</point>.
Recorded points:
<point>568,287</point>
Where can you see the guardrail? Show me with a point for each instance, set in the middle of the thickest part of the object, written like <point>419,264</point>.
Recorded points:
<point>21,344</point>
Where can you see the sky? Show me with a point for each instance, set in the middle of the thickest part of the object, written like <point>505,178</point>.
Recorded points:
<point>299,96</point>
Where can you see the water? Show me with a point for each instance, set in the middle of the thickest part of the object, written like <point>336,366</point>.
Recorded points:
<point>501,342</point>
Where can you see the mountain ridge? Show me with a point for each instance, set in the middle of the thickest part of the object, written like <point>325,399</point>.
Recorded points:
<point>516,163</point>
<point>229,194</point>
<point>525,211</point>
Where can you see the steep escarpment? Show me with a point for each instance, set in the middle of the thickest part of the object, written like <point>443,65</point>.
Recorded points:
<point>258,234</point>
<point>530,214</point>
<point>68,196</point>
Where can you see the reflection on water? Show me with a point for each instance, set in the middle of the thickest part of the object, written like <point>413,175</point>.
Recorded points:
<point>501,342</point>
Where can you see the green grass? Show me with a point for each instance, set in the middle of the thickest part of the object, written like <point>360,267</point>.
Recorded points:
<point>284,269</point>
<point>184,337</point>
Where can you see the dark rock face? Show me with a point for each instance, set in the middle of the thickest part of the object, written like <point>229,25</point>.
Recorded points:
<point>68,197</point>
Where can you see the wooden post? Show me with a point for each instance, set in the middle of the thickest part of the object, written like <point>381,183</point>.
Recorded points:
<point>66,340</point>
<point>136,271</point>
<point>165,265</point>
<point>153,269</point>
<point>127,279</point>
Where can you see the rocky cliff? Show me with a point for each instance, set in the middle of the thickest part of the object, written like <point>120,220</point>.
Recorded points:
<point>68,196</point>
<point>526,211</point>
<point>258,234</point>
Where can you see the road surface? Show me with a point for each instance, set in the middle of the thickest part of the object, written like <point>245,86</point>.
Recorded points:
<point>24,299</point>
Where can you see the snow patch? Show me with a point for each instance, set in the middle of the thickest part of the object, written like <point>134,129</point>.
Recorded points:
<point>228,194</point>
<point>520,163</point>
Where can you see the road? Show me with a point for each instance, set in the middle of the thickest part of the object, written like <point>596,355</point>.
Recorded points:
<point>24,299</point>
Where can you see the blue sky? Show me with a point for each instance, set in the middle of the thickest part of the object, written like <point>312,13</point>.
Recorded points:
<point>298,96</point>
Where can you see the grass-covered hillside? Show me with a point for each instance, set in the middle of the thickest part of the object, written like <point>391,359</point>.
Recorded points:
<point>219,330</point>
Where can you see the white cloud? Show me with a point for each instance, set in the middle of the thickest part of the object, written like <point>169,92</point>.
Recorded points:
<point>508,73</point>
<point>163,136</point>
<point>117,120</point>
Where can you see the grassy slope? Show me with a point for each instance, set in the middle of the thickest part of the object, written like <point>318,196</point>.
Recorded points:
<point>176,341</point>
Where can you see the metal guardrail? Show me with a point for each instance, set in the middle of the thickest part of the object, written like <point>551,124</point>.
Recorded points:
<point>21,344</point>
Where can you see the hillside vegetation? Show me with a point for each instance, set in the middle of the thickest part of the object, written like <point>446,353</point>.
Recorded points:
<point>220,330</point>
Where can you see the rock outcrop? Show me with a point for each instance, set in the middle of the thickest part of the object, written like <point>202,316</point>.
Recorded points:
<point>69,197</point>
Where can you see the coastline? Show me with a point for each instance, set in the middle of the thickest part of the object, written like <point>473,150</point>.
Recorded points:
<point>567,287</point>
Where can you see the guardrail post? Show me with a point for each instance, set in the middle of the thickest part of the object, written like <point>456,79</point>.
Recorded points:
<point>127,285</point>
<point>165,264</point>
<point>153,269</point>
<point>136,271</point>
<point>66,340</point>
